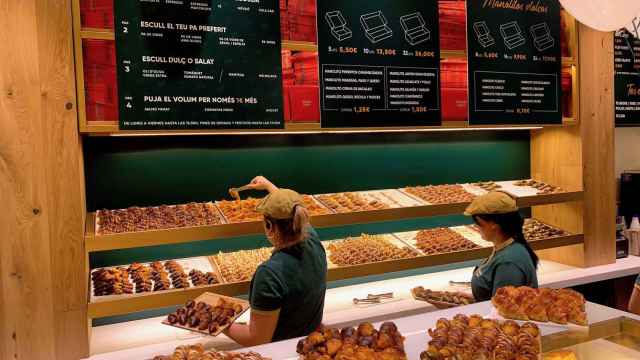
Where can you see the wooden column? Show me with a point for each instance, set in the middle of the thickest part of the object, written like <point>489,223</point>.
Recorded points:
<point>43,296</point>
<point>583,156</point>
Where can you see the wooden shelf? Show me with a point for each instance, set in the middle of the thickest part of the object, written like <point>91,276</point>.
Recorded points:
<point>111,128</point>
<point>94,242</point>
<point>134,303</point>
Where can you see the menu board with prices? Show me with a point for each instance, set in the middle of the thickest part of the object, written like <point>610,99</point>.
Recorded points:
<point>627,78</point>
<point>379,63</point>
<point>198,64</point>
<point>514,62</point>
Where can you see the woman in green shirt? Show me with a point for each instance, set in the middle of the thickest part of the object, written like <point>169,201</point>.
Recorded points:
<point>287,291</point>
<point>512,262</point>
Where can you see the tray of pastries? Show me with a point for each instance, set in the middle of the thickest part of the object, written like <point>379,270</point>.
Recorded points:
<point>348,202</point>
<point>367,249</point>
<point>392,198</point>
<point>136,219</point>
<point>238,211</point>
<point>140,278</point>
<point>531,187</point>
<point>474,337</point>
<point>560,306</point>
<point>440,194</point>
<point>438,241</point>
<point>537,230</point>
<point>240,265</point>
<point>442,299</point>
<point>197,352</point>
<point>207,314</point>
<point>487,185</point>
<point>364,342</point>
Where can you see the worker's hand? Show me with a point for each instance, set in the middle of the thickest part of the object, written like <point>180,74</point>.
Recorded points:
<point>262,183</point>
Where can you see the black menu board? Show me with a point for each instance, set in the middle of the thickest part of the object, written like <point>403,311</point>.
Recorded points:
<point>379,63</point>
<point>627,78</point>
<point>198,64</point>
<point>514,62</point>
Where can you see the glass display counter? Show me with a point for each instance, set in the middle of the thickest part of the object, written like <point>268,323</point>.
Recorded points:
<point>615,339</point>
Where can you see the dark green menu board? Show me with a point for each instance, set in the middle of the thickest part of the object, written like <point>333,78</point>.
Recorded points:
<point>198,64</point>
<point>627,78</point>
<point>514,62</point>
<point>379,63</point>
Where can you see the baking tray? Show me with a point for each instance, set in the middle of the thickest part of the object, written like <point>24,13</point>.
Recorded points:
<point>212,299</point>
<point>389,237</point>
<point>409,238</point>
<point>217,268</point>
<point>200,263</point>
<point>494,314</point>
<point>465,187</point>
<point>392,198</point>
<point>209,204</point>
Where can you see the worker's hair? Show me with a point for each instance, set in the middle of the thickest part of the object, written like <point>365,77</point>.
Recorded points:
<point>290,231</point>
<point>511,226</point>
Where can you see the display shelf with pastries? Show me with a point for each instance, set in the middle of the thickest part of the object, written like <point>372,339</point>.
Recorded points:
<point>140,227</point>
<point>347,258</point>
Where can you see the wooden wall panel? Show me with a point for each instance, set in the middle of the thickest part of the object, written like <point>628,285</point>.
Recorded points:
<point>42,280</point>
<point>582,156</point>
<point>598,144</point>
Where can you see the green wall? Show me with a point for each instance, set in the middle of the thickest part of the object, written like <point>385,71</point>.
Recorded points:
<point>144,171</point>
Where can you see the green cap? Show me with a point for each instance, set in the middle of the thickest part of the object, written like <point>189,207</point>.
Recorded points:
<point>495,202</point>
<point>280,204</point>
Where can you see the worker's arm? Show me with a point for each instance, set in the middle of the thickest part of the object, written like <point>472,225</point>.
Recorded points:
<point>259,331</point>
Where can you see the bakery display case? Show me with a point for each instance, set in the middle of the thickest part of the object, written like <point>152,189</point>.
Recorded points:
<point>617,338</point>
<point>229,273</point>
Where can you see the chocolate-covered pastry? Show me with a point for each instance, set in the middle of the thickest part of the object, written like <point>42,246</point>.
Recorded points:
<point>204,317</point>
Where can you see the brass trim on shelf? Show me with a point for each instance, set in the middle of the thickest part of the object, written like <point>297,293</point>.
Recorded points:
<point>97,34</point>
<point>95,242</point>
<point>134,303</point>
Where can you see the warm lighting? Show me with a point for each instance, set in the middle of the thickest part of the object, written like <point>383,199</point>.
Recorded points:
<point>603,15</point>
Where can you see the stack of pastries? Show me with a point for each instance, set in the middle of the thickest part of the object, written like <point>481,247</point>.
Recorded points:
<point>197,352</point>
<point>473,337</point>
<point>561,306</point>
<point>114,281</point>
<point>364,343</point>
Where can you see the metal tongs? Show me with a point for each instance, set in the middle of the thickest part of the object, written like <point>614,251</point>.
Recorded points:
<point>373,298</point>
<point>235,192</point>
<point>460,283</point>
